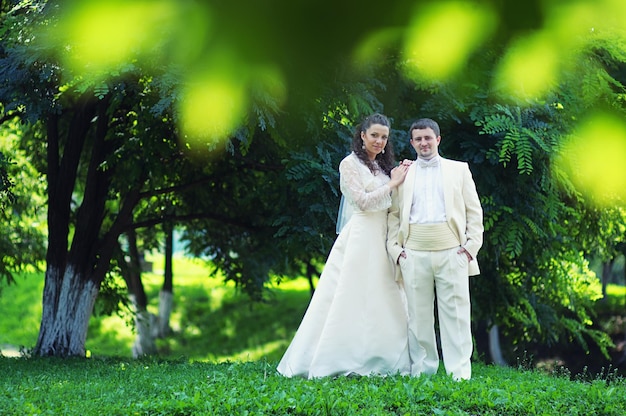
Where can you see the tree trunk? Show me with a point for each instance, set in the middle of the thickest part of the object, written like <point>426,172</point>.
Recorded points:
<point>73,276</point>
<point>166,296</point>
<point>69,294</point>
<point>68,301</point>
<point>131,271</point>
<point>166,305</point>
<point>311,271</point>
<point>145,324</point>
<point>607,267</point>
<point>495,349</point>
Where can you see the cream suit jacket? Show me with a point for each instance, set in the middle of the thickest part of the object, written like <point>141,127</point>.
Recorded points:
<point>464,213</point>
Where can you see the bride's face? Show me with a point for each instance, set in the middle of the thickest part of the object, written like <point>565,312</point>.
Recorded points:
<point>375,139</point>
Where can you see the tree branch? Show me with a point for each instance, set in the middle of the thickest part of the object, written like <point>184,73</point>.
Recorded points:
<point>189,217</point>
<point>175,189</point>
<point>191,185</point>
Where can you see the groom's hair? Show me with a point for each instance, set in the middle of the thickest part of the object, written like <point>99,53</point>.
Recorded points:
<point>425,123</point>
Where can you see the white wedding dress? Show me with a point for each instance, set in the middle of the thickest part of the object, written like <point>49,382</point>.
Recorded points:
<point>356,322</point>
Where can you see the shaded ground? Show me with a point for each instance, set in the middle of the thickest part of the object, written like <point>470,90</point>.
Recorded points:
<point>593,363</point>
<point>568,357</point>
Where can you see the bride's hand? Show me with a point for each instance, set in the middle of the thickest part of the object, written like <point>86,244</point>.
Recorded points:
<point>397,175</point>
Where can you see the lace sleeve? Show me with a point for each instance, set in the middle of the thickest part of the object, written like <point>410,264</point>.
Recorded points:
<point>364,190</point>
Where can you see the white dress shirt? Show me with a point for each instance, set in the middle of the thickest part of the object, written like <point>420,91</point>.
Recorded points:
<point>428,204</point>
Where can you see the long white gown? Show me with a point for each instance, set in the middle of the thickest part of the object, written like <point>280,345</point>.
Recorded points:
<point>356,322</point>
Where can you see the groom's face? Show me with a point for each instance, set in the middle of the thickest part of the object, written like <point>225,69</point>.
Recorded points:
<point>425,143</point>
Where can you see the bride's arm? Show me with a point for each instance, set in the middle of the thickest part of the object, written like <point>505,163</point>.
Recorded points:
<point>353,184</point>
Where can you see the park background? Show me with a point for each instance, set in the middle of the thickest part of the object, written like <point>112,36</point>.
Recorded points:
<point>129,126</point>
<point>214,322</point>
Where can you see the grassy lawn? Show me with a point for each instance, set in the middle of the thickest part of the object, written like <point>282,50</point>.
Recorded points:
<point>222,356</point>
<point>211,321</point>
<point>155,387</point>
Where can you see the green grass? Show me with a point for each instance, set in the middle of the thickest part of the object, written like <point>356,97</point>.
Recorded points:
<point>615,301</point>
<point>155,387</point>
<point>222,357</point>
<point>211,321</point>
<point>20,310</point>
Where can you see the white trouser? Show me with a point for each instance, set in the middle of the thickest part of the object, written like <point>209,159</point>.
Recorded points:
<point>445,271</point>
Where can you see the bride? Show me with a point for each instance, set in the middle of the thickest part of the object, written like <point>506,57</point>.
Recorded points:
<point>356,321</point>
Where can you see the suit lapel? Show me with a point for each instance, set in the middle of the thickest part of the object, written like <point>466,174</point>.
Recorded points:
<point>407,197</point>
<point>447,179</point>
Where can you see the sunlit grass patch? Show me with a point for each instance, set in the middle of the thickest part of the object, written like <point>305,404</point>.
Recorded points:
<point>20,309</point>
<point>616,299</point>
<point>212,320</point>
<point>616,290</point>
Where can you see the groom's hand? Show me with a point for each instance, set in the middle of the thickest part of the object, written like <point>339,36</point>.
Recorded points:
<point>403,255</point>
<point>462,250</point>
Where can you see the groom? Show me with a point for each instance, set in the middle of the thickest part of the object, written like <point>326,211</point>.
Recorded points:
<point>435,229</point>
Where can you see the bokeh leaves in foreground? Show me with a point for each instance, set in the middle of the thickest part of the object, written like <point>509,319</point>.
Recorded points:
<point>594,156</point>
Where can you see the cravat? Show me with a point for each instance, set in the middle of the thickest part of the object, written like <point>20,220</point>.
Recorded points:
<point>428,163</point>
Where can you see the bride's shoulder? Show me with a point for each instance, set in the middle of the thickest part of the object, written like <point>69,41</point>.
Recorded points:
<point>353,159</point>
<point>350,160</point>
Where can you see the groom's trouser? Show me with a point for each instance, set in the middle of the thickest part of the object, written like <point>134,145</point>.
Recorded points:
<point>447,272</point>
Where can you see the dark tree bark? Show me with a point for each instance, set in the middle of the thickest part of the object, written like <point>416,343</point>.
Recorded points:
<point>132,272</point>
<point>310,273</point>
<point>73,277</point>
<point>166,296</point>
<point>69,294</point>
<point>607,268</point>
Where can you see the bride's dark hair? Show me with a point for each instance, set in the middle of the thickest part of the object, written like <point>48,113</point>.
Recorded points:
<point>386,160</point>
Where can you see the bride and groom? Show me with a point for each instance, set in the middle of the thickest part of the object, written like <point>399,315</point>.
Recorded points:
<point>413,233</point>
